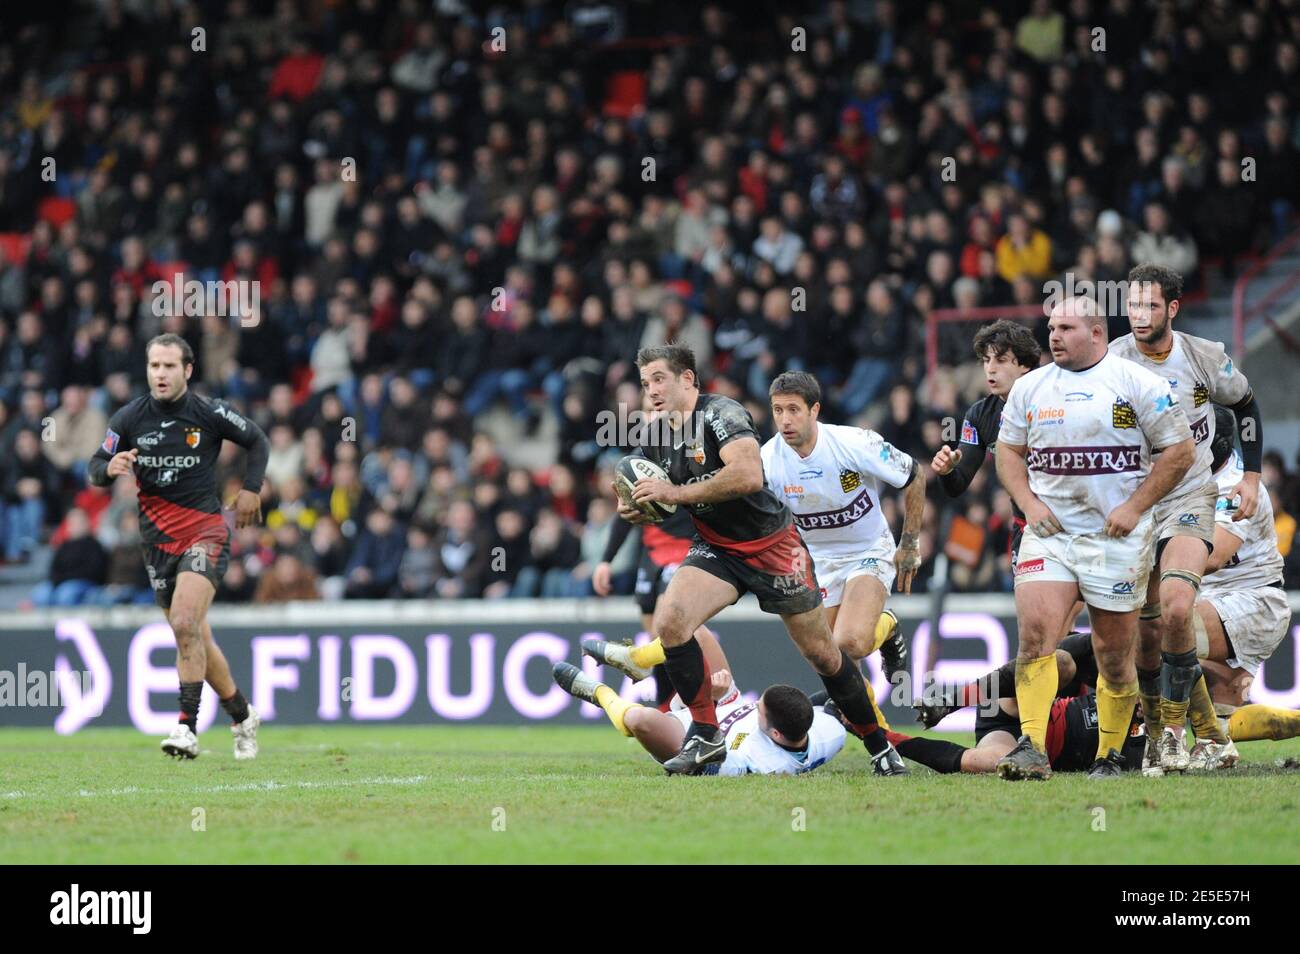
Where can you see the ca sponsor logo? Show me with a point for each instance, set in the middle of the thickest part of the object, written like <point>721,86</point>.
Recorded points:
<point>1123,588</point>
<point>1189,519</point>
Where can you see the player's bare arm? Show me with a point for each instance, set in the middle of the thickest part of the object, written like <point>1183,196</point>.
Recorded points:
<point>1013,472</point>
<point>741,474</point>
<point>907,556</point>
<point>1171,463</point>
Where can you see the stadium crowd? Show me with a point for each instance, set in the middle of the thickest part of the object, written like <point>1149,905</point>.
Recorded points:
<point>449,224</point>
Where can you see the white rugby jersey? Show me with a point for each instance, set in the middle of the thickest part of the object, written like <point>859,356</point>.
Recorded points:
<point>834,492</point>
<point>1257,562</point>
<point>751,752</point>
<point>1201,375</point>
<point>1089,435</point>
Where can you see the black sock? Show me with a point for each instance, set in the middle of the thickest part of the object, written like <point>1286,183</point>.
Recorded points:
<point>236,707</point>
<point>190,694</point>
<point>663,686</point>
<point>944,757</point>
<point>689,671</point>
<point>849,693</point>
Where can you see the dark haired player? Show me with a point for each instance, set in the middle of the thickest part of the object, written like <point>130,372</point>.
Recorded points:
<point>1199,372</point>
<point>745,541</point>
<point>663,546</point>
<point>1007,350</point>
<point>782,733</point>
<point>170,440</point>
<point>831,477</point>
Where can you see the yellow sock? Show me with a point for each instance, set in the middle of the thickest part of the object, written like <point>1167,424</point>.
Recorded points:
<point>1114,713</point>
<point>1173,714</point>
<point>1204,721</point>
<point>649,655</point>
<point>1263,722</point>
<point>871,694</point>
<point>1036,685</point>
<point>615,707</point>
<point>884,629</point>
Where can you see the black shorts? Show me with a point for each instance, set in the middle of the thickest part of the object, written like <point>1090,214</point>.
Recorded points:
<point>208,556</point>
<point>781,574</point>
<point>1001,721</point>
<point>651,580</point>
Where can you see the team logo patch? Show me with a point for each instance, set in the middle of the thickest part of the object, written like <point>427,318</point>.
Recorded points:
<point>968,433</point>
<point>1200,394</point>
<point>1124,588</point>
<point>850,480</point>
<point>1166,402</point>
<point>192,435</point>
<point>1026,567</point>
<point>1123,415</point>
<point>1189,520</point>
<point>740,737</point>
<point>110,441</point>
<point>696,452</point>
<point>1075,397</point>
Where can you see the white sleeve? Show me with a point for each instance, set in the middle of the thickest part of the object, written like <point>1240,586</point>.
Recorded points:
<point>1160,416</point>
<point>879,458</point>
<point>1013,429</point>
<point>1228,386</point>
<point>767,454</point>
<point>737,763</point>
<point>826,737</point>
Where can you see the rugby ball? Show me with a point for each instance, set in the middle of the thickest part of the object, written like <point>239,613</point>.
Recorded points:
<point>633,468</point>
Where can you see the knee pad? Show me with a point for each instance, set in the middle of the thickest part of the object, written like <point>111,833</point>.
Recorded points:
<point>1187,576</point>
<point>1150,611</point>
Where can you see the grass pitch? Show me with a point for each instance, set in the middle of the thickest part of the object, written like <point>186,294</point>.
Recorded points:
<point>584,794</point>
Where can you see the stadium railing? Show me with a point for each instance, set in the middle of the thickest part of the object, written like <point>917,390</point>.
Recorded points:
<point>1243,314</point>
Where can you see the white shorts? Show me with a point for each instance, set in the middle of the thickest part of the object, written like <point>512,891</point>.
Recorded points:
<point>1191,515</point>
<point>1255,620</point>
<point>834,573</point>
<point>1111,572</point>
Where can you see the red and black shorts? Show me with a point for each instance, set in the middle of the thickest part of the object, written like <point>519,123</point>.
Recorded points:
<point>207,555</point>
<point>778,569</point>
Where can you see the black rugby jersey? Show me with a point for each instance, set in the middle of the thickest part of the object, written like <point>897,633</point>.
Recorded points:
<point>692,453</point>
<point>178,443</point>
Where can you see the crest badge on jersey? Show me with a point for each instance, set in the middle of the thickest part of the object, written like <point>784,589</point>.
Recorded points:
<point>1123,414</point>
<point>192,435</point>
<point>1200,394</point>
<point>110,441</point>
<point>968,433</point>
<point>696,452</point>
<point>850,480</point>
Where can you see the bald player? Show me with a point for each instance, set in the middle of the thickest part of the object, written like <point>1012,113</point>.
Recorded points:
<point>1075,452</point>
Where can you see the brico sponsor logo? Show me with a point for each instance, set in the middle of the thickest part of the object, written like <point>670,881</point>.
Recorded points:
<point>1085,461</point>
<point>1050,415</point>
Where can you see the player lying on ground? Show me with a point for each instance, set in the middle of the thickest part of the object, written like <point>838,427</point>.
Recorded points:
<point>780,734</point>
<point>1088,445</point>
<point>1198,372</point>
<point>830,477</point>
<point>170,439</point>
<point>663,546</point>
<point>745,541</point>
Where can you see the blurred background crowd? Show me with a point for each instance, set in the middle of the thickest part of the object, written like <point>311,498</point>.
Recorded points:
<point>462,236</point>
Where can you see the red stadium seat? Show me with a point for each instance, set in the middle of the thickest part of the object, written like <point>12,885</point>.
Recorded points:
<point>625,94</point>
<point>56,211</point>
